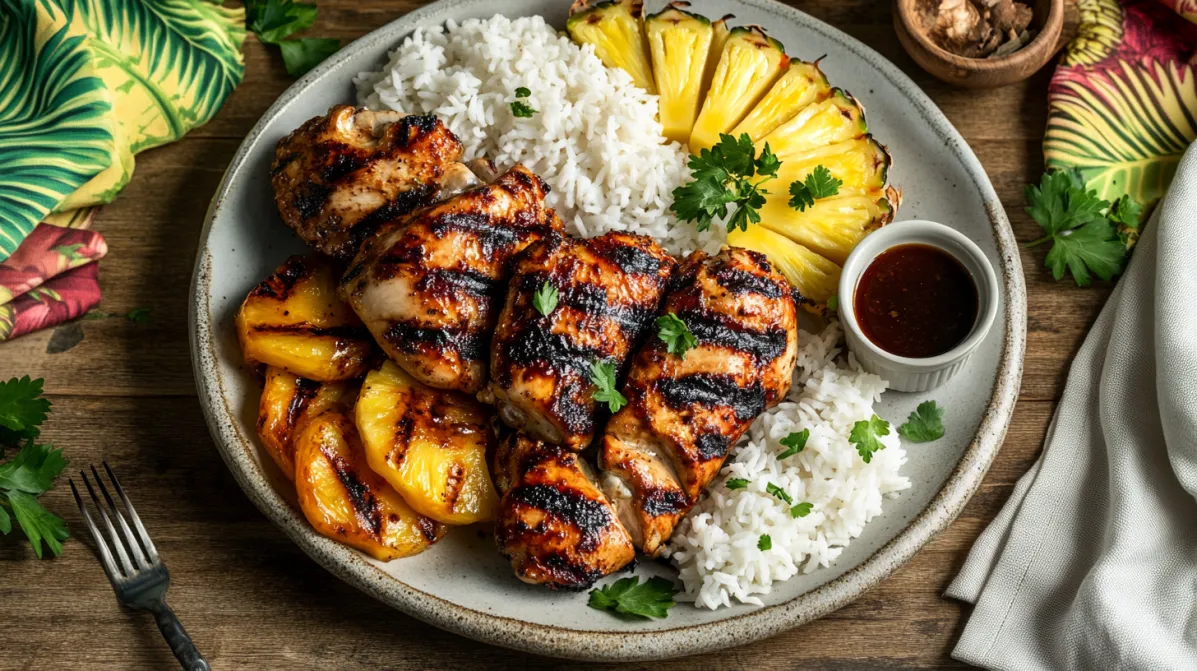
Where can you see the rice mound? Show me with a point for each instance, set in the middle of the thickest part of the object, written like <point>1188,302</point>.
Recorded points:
<point>596,141</point>
<point>595,137</point>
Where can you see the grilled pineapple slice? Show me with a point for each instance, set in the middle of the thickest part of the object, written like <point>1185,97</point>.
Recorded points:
<point>837,119</point>
<point>832,227</point>
<point>814,278</point>
<point>294,320</point>
<point>680,44</point>
<point>348,502</point>
<point>802,84</point>
<point>615,29</point>
<point>861,165</point>
<point>288,402</point>
<point>430,445</point>
<point>748,66</point>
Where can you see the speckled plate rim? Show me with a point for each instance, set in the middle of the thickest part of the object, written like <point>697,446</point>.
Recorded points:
<point>235,446</point>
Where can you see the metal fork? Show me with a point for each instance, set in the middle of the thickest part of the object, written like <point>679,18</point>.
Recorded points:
<point>140,580</point>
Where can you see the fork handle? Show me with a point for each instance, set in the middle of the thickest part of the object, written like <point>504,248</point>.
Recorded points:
<point>180,643</point>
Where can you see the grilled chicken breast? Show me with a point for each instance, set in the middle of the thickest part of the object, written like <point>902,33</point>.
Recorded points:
<point>607,292</point>
<point>684,413</point>
<point>428,286</point>
<point>337,177</point>
<point>554,522</point>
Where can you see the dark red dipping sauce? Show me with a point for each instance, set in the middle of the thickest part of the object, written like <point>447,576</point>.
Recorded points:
<point>916,301</point>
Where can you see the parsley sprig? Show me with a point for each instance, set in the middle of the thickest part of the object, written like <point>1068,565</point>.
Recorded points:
<point>725,175</point>
<point>795,443</point>
<point>275,20</point>
<point>32,471</point>
<point>676,335</point>
<point>924,425</point>
<point>545,299</point>
<point>519,108</point>
<point>1081,227</point>
<point>630,597</point>
<point>818,184</point>
<point>866,436</point>
<point>602,375</point>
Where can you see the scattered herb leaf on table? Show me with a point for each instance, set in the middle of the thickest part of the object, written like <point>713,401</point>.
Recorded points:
<point>32,471</point>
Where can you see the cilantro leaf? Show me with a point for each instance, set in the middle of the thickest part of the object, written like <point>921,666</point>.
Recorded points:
<point>629,596</point>
<point>1125,214</point>
<point>802,509</point>
<point>138,315</point>
<point>522,110</point>
<point>722,176</point>
<point>33,470</point>
<point>273,20</point>
<point>302,55</point>
<point>38,523</point>
<point>522,92</point>
<point>545,299</point>
<point>22,409</point>
<point>602,375</point>
<point>865,436</point>
<point>924,425</point>
<point>1084,243</point>
<point>820,183</point>
<point>778,492</point>
<point>736,483</point>
<point>764,543</point>
<point>833,303</point>
<point>678,338</point>
<point>796,442</point>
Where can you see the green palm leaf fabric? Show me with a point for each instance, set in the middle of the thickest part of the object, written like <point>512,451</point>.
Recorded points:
<point>56,126</point>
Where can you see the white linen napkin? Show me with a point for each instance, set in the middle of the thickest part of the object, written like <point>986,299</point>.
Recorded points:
<point>1092,563</point>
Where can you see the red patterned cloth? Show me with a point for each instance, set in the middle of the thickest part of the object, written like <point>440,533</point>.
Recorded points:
<point>50,279</point>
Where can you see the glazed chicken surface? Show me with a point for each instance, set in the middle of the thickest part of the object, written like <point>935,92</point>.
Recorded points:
<point>429,285</point>
<point>684,413</point>
<point>607,292</point>
<point>337,177</point>
<point>554,522</point>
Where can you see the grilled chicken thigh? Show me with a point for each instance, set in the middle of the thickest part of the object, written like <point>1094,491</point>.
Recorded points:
<point>337,177</point>
<point>428,286</point>
<point>607,292</point>
<point>554,522</point>
<point>684,413</point>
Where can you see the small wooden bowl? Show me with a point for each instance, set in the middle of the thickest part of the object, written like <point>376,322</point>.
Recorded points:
<point>1048,22</point>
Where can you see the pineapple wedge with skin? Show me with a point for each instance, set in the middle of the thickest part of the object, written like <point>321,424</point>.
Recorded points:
<point>751,61</point>
<point>720,31</point>
<point>616,29</point>
<point>832,227</point>
<point>837,119</point>
<point>288,403</point>
<point>802,85</point>
<point>680,44</point>
<point>346,501</point>
<point>813,278</point>
<point>294,320</point>
<point>430,445</point>
<point>861,165</point>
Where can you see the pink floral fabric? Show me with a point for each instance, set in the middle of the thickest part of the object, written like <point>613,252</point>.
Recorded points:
<point>50,279</point>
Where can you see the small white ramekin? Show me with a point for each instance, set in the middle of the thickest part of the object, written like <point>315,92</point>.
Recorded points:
<point>917,374</point>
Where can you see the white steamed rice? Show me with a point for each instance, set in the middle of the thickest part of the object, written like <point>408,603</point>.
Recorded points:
<point>597,143</point>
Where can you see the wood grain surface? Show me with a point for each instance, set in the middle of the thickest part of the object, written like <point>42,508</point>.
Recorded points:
<point>250,598</point>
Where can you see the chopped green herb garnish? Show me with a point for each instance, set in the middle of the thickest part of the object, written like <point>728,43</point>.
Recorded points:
<point>796,442</point>
<point>924,424</point>
<point>736,483</point>
<point>802,509</point>
<point>629,596</point>
<point>865,436</point>
<point>522,110</point>
<point>545,299</point>
<point>675,334</point>
<point>724,175</point>
<point>765,542</point>
<point>602,375</point>
<point>522,92</point>
<point>818,184</point>
<point>779,493</point>
<point>833,303</point>
<point>139,315</point>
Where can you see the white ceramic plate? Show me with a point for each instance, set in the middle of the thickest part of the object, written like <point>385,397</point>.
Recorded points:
<point>462,584</point>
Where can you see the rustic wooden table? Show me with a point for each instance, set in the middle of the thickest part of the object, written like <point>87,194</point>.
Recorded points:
<point>251,599</point>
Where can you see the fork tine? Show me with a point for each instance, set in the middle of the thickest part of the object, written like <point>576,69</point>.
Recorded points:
<point>141,532</point>
<point>130,539</point>
<point>112,535</point>
<point>105,555</point>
